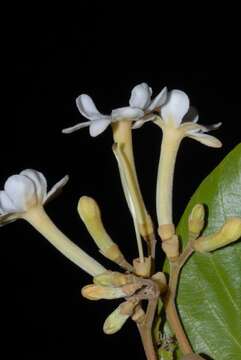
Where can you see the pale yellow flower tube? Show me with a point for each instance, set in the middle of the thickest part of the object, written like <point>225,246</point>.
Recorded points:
<point>169,148</point>
<point>38,218</point>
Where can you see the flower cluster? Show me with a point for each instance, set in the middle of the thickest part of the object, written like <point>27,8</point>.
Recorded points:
<point>25,195</point>
<point>166,108</point>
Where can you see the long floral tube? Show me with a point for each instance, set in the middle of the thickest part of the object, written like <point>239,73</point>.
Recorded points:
<point>169,148</point>
<point>38,218</point>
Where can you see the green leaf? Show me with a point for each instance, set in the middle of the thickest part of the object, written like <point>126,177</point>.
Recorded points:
<point>209,295</point>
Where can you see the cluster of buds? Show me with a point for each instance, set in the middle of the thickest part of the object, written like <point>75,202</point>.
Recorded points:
<point>116,285</point>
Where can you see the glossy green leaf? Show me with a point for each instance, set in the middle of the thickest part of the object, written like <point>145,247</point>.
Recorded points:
<point>209,295</point>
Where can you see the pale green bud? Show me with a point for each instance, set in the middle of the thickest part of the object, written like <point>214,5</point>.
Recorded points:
<point>90,214</point>
<point>229,232</point>
<point>113,278</point>
<point>118,317</point>
<point>196,219</point>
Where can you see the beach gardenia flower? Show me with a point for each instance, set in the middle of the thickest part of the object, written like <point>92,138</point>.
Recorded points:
<point>24,191</point>
<point>177,113</point>
<point>177,120</point>
<point>140,106</point>
<point>23,197</point>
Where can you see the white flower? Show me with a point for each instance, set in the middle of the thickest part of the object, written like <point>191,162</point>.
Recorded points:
<point>24,191</point>
<point>176,112</point>
<point>140,105</point>
<point>141,98</point>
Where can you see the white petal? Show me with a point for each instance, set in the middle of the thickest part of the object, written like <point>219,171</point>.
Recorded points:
<point>139,123</point>
<point>126,113</point>
<point>140,96</point>
<point>21,192</point>
<point>211,127</point>
<point>87,107</point>
<point>39,182</point>
<point>75,127</point>
<point>176,107</point>
<point>206,139</point>
<point>6,205</point>
<point>98,126</point>
<point>56,189</point>
<point>159,100</point>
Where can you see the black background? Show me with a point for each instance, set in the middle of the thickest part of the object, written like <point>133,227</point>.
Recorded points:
<point>53,60</point>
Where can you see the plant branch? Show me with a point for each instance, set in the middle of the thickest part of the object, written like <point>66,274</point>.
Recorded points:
<point>152,293</point>
<point>170,301</point>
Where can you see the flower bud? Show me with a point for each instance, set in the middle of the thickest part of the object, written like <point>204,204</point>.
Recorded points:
<point>229,232</point>
<point>196,219</point>
<point>112,278</point>
<point>90,214</point>
<point>97,292</point>
<point>118,317</point>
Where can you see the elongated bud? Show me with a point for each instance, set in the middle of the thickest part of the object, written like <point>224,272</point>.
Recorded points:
<point>97,292</point>
<point>114,279</point>
<point>90,214</point>
<point>118,317</point>
<point>229,232</point>
<point>196,220</point>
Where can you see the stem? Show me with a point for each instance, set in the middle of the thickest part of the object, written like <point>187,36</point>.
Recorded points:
<point>147,341</point>
<point>145,327</point>
<point>38,218</point>
<point>169,148</point>
<point>170,301</point>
